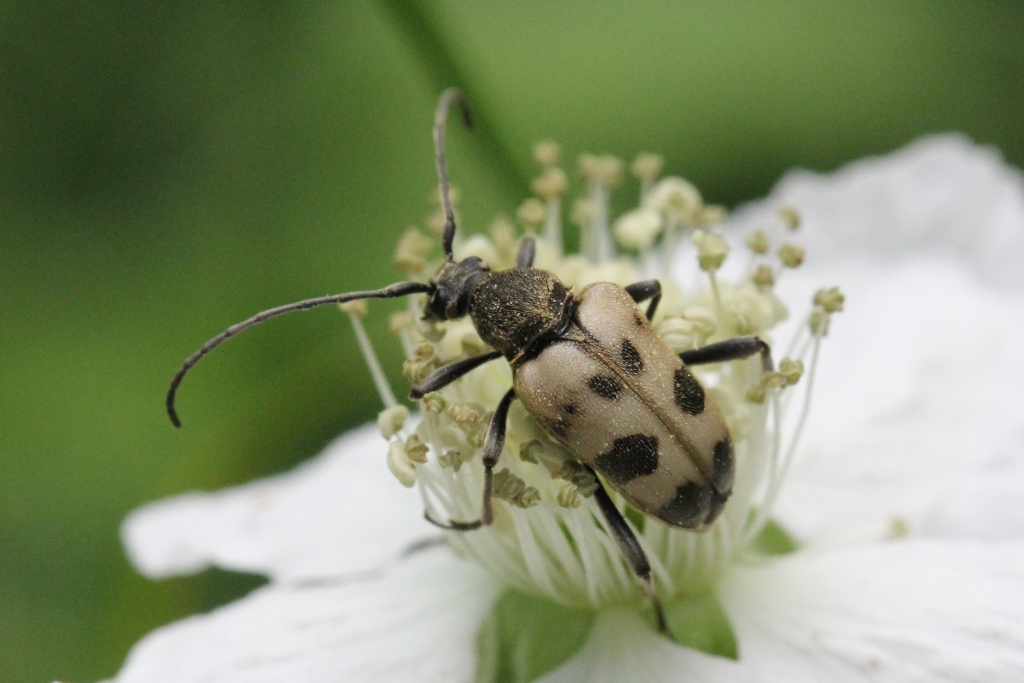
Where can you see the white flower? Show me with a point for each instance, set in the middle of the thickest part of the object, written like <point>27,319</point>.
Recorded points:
<point>904,495</point>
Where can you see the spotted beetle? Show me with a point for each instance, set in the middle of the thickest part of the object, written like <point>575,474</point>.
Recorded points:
<point>589,367</point>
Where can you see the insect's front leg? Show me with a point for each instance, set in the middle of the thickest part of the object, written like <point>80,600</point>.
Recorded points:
<point>493,445</point>
<point>446,374</point>
<point>630,547</point>
<point>644,290</point>
<point>730,349</point>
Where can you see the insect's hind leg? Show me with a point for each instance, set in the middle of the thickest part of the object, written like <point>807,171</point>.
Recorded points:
<point>630,547</point>
<point>493,445</point>
<point>644,290</point>
<point>730,349</point>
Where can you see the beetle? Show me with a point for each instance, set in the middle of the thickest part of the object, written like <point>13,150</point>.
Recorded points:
<point>589,367</point>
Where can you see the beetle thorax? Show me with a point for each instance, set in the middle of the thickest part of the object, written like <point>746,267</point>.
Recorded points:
<point>513,308</point>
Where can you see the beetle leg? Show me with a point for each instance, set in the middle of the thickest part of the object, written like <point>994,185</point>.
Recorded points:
<point>446,374</point>
<point>644,290</point>
<point>730,349</point>
<point>527,250</point>
<point>630,547</point>
<point>493,445</point>
<point>452,525</point>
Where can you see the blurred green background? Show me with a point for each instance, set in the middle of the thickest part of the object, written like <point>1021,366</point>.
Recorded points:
<point>168,168</point>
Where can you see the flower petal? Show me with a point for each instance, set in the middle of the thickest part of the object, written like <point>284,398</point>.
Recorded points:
<point>340,513</point>
<point>416,622</point>
<point>902,611</point>
<point>622,648</point>
<point>916,423</point>
<point>941,194</point>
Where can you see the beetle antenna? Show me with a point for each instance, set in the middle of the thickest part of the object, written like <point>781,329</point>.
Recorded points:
<point>449,96</point>
<point>389,292</point>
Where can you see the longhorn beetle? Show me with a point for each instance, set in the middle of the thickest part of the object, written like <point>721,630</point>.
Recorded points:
<point>588,367</point>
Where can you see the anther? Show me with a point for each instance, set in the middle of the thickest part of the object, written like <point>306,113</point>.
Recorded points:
<point>757,242</point>
<point>547,153</point>
<point>531,213</point>
<point>791,255</point>
<point>831,299</point>
<point>711,250</point>
<point>647,166</point>
<point>790,216</point>
<point>551,184</point>
<point>416,450</point>
<point>391,420</point>
<point>400,465</point>
<point>638,229</point>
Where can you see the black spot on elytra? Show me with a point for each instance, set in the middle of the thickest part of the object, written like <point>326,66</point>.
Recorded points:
<point>689,392</point>
<point>637,320</point>
<point>631,361</point>
<point>717,505</point>
<point>690,507</point>
<point>725,465</point>
<point>605,386</point>
<point>571,408</point>
<point>629,457</point>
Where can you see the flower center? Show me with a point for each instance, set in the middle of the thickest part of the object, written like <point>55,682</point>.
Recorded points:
<point>548,537</point>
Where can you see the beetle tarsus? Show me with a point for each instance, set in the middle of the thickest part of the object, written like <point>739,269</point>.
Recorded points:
<point>452,525</point>
<point>659,613</point>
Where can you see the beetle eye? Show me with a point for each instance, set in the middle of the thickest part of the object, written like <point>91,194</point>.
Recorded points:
<point>435,308</point>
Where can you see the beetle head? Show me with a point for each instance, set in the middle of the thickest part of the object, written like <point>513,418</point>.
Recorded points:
<point>450,288</point>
